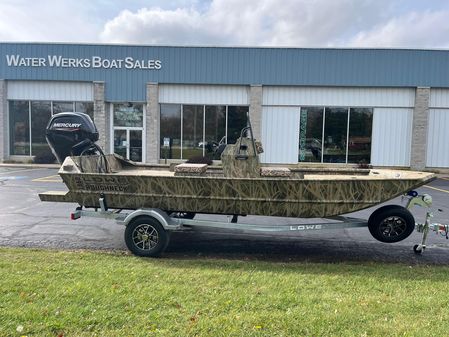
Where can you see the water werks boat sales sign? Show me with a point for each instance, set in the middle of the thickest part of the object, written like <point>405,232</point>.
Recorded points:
<point>58,61</point>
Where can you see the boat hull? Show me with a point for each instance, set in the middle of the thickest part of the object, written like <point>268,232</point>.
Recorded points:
<point>308,198</point>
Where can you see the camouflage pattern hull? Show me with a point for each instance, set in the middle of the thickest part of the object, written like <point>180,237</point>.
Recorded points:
<point>310,195</point>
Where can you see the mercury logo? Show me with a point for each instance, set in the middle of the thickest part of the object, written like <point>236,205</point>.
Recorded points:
<point>67,125</point>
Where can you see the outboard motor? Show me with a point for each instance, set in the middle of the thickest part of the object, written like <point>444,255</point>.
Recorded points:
<point>72,134</point>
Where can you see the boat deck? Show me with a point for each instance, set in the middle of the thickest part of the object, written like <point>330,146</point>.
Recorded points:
<point>374,174</point>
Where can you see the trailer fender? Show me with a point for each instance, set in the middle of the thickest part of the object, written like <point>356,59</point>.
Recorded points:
<point>158,214</point>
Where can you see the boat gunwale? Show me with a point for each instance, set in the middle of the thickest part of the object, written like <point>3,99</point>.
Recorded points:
<point>426,177</point>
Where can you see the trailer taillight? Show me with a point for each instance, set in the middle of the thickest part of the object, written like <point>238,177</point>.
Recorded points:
<point>74,216</point>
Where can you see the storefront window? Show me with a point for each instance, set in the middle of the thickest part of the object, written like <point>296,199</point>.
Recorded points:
<point>341,142</point>
<point>40,116</point>
<point>85,107</point>
<point>215,129</point>
<point>192,131</point>
<point>202,129</point>
<point>335,134</point>
<point>360,127</point>
<point>128,114</point>
<point>310,134</point>
<point>59,107</point>
<point>19,127</point>
<point>40,111</point>
<point>170,131</point>
<point>237,120</point>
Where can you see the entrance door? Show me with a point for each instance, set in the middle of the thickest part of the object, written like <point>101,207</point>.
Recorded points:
<point>128,143</point>
<point>128,131</point>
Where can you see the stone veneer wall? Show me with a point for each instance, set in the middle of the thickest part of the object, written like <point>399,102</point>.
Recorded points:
<point>101,118</point>
<point>3,121</point>
<point>152,123</point>
<point>255,110</point>
<point>419,130</point>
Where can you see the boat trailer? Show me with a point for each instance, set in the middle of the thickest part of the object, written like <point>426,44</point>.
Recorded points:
<point>148,231</point>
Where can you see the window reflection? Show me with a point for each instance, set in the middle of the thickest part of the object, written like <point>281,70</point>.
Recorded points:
<point>59,107</point>
<point>237,120</point>
<point>335,133</point>
<point>195,127</point>
<point>215,129</point>
<point>310,134</point>
<point>135,145</point>
<point>128,114</point>
<point>120,143</point>
<point>170,131</point>
<point>342,142</point>
<point>192,131</point>
<point>360,127</point>
<point>40,116</point>
<point>85,107</point>
<point>19,127</point>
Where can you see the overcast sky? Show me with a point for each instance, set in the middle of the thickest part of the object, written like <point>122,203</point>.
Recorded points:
<point>296,23</point>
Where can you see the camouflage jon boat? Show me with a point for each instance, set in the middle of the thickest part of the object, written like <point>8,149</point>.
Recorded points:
<point>240,187</point>
<point>164,199</point>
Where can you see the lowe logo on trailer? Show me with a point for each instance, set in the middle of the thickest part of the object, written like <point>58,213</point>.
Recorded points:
<point>305,227</point>
<point>58,61</point>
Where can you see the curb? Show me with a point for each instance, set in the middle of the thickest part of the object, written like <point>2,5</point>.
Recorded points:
<point>30,166</point>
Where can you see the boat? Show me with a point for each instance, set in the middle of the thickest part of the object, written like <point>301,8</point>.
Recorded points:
<point>241,186</point>
<point>152,200</point>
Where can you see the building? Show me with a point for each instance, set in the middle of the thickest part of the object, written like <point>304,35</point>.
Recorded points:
<point>386,107</point>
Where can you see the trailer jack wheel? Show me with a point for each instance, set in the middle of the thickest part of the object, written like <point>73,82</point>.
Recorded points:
<point>145,236</point>
<point>418,249</point>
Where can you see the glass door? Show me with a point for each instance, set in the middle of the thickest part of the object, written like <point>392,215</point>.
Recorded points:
<point>128,144</point>
<point>128,130</point>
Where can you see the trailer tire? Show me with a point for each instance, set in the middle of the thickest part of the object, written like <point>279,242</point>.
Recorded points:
<point>391,223</point>
<point>145,236</point>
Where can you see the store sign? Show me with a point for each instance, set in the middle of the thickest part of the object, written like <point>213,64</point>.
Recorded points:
<point>58,61</point>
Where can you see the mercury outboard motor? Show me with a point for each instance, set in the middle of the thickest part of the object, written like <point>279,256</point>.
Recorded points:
<point>72,134</point>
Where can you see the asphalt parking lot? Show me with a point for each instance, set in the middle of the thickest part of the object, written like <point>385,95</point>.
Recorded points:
<point>28,222</point>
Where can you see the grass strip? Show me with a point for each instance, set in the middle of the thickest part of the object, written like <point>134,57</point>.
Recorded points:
<point>82,293</point>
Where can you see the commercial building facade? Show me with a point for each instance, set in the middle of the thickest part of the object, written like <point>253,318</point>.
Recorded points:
<point>342,106</point>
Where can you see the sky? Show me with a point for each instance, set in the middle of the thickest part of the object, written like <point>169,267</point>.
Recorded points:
<point>279,23</point>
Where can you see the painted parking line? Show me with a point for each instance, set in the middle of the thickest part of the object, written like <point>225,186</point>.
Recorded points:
<point>50,179</point>
<point>436,189</point>
<point>444,178</point>
<point>19,171</point>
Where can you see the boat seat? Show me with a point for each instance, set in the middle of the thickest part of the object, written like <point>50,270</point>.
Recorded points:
<point>190,169</point>
<point>275,172</point>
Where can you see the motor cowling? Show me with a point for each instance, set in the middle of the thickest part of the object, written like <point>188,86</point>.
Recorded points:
<point>70,134</point>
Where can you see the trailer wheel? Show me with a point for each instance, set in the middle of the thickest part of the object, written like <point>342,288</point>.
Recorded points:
<point>145,236</point>
<point>391,223</point>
